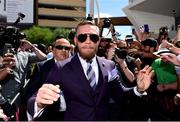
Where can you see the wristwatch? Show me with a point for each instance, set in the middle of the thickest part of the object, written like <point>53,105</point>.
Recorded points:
<point>170,46</point>
<point>124,68</point>
<point>1,65</point>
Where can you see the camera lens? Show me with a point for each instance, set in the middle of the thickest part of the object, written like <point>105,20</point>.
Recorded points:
<point>121,53</point>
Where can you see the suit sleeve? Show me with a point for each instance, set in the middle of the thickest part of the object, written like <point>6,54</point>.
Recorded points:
<point>54,76</point>
<point>30,105</point>
<point>35,81</point>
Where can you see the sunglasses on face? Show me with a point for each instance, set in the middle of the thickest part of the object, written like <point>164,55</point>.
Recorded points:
<point>82,37</point>
<point>60,47</point>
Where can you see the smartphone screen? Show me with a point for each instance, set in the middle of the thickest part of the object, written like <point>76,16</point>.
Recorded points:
<point>133,31</point>
<point>146,28</point>
<point>7,48</point>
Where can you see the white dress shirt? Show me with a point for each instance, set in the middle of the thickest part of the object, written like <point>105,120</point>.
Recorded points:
<point>93,64</point>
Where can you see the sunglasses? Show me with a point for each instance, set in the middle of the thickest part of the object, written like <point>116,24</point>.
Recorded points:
<point>60,47</point>
<point>82,37</point>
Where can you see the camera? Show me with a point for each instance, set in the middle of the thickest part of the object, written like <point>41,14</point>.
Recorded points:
<point>106,23</point>
<point>163,30</point>
<point>11,35</point>
<point>121,53</point>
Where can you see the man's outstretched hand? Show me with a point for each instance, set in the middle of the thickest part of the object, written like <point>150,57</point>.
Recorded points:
<point>144,78</point>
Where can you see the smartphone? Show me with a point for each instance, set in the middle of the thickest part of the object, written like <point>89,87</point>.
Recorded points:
<point>7,48</point>
<point>133,31</point>
<point>146,28</point>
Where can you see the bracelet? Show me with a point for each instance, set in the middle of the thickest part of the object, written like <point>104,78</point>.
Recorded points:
<point>124,68</point>
<point>177,69</point>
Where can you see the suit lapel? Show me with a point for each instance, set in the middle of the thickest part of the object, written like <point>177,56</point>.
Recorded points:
<point>103,68</point>
<point>79,73</point>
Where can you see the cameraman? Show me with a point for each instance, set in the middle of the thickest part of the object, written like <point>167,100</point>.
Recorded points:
<point>13,73</point>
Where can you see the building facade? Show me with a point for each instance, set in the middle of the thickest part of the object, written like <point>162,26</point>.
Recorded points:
<point>60,13</point>
<point>155,13</point>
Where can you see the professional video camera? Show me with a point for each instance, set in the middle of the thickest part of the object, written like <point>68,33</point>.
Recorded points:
<point>11,36</point>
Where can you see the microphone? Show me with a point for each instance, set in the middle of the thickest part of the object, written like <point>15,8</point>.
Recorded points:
<point>21,15</point>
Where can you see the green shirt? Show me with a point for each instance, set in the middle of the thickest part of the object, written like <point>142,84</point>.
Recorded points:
<point>164,72</point>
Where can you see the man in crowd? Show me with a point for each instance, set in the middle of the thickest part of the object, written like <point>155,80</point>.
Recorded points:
<point>87,81</point>
<point>13,73</point>
<point>61,51</point>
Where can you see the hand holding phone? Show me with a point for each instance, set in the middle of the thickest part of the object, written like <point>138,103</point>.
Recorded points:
<point>7,49</point>
<point>9,60</point>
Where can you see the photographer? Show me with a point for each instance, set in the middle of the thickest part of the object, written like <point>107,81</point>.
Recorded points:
<point>13,73</point>
<point>124,62</point>
<point>123,65</point>
<point>126,66</point>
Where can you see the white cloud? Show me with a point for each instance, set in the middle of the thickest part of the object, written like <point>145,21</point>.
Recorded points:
<point>103,15</point>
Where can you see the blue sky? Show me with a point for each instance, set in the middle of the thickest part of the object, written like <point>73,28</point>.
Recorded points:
<point>112,8</point>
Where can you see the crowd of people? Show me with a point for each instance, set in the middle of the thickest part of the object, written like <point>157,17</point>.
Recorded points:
<point>96,78</point>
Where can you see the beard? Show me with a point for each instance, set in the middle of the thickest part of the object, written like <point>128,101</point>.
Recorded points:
<point>87,55</point>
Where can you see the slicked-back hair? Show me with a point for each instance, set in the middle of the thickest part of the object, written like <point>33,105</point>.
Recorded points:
<point>85,22</point>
